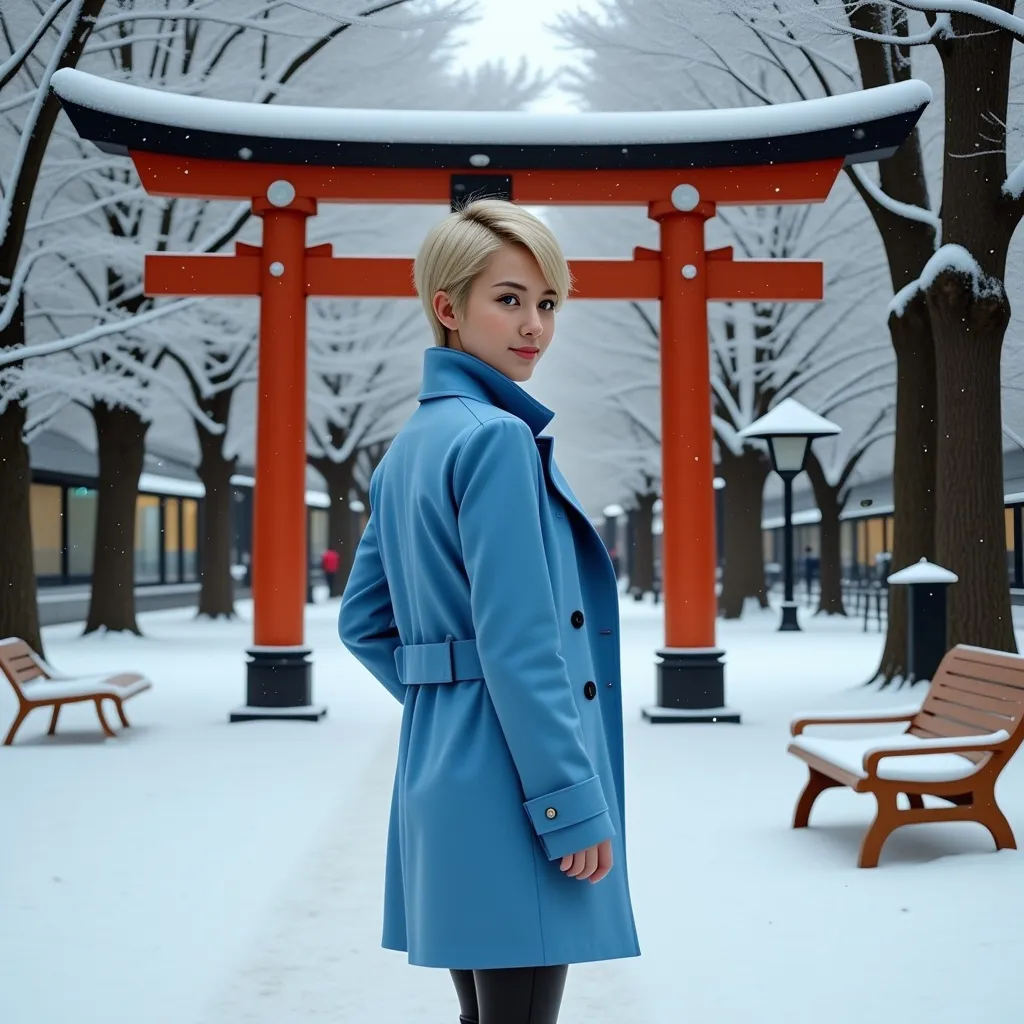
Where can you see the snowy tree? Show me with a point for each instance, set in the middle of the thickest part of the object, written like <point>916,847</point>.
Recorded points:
<point>833,464</point>
<point>962,287</point>
<point>951,310</point>
<point>762,353</point>
<point>610,417</point>
<point>955,297</point>
<point>219,359</point>
<point>364,376</point>
<point>806,61</point>
<point>255,55</point>
<point>366,355</point>
<point>37,44</point>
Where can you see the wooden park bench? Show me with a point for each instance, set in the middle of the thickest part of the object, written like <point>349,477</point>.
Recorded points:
<point>955,745</point>
<point>37,685</point>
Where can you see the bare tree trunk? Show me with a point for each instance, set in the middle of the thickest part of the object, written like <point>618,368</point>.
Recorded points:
<point>121,435</point>
<point>909,244</point>
<point>19,611</point>
<point>217,591</point>
<point>969,528</point>
<point>643,544</point>
<point>19,607</point>
<point>827,498</point>
<point>969,319</point>
<point>352,531</point>
<point>743,504</point>
<point>913,470</point>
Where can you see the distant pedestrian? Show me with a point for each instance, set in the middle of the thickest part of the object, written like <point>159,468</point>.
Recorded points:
<point>329,562</point>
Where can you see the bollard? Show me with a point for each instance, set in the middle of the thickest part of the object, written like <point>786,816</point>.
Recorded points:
<point>926,616</point>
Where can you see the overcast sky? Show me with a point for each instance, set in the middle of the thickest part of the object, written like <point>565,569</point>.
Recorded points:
<point>516,28</point>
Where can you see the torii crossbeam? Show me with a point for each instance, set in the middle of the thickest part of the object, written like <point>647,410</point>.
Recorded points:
<point>681,165</point>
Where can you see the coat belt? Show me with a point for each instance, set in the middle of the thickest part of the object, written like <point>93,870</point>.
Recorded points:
<point>453,661</point>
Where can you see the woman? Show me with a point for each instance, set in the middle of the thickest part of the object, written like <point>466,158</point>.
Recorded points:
<point>484,600</point>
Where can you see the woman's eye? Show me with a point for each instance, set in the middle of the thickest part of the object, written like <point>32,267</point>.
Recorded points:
<point>547,305</point>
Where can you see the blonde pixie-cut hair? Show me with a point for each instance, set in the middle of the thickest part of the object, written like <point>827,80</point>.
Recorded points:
<point>457,250</point>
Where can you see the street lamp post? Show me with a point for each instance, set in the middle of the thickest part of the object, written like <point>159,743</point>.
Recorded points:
<point>789,429</point>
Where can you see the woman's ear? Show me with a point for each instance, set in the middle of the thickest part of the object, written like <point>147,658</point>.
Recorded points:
<point>444,311</point>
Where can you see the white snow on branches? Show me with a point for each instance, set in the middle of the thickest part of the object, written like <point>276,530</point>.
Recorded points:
<point>948,257</point>
<point>894,205</point>
<point>1014,184</point>
<point>975,8</point>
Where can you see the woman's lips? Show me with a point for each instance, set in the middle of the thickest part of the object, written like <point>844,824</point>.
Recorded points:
<point>526,353</point>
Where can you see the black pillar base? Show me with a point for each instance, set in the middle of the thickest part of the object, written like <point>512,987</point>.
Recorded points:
<point>691,688</point>
<point>278,685</point>
<point>789,620</point>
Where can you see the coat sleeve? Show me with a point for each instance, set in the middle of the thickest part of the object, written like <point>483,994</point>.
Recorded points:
<point>496,482</point>
<point>366,623</point>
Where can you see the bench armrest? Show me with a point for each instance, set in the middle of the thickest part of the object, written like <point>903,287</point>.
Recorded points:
<point>895,714</point>
<point>990,742</point>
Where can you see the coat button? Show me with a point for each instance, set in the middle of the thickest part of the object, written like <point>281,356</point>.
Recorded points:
<point>590,691</point>
<point>577,619</point>
<point>551,812</point>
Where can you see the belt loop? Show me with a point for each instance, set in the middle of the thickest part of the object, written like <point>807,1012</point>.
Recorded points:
<point>451,655</point>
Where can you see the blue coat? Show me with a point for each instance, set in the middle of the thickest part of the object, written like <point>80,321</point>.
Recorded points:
<point>483,598</point>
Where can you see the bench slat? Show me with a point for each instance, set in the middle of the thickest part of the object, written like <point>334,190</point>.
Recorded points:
<point>973,755</point>
<point>19,664</point>
<point>931,725</point>
<point>987,673</point>
<point>984,721</point>
<point>989,699</point>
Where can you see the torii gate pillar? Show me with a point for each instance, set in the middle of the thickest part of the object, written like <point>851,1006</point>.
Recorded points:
<point>279,682</point>
<point>690,674</point>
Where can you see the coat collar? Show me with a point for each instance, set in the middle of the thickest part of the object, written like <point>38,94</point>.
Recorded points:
<point>448,372</point>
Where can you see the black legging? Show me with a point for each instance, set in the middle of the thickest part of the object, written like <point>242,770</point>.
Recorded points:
<point>511,995</point>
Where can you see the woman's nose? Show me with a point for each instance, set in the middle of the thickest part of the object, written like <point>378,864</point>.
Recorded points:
<point>533,325</point>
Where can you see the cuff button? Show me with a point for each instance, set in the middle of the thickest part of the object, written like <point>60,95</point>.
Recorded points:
<point>551,812</point>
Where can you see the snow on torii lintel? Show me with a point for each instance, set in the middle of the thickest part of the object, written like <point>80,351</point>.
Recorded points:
<point>789,417</point>
<point>923,571</point>
<point>866,125</point>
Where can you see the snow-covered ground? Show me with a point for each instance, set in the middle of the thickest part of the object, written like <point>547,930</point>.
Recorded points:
<point>196,872</point>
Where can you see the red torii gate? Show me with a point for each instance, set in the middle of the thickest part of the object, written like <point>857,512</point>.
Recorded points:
<point>680,165</point>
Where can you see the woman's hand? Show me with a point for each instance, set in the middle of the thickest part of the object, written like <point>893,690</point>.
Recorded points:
<point>593,863</point>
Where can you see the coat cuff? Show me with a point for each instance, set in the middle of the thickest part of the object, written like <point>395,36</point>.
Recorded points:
<point>571,819</point>
<point>580,836</point>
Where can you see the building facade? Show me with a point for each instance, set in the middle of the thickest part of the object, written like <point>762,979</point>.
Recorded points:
<point>167,516</point>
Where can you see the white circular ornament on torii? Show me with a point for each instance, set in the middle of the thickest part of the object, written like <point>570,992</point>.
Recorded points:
<point>280,193</point>
<point>685,197</point>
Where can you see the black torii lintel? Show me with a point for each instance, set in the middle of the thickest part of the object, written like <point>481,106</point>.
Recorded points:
<point>863,126</point>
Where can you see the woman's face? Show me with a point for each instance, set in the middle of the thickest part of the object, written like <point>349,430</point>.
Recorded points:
<point>509,319</point>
